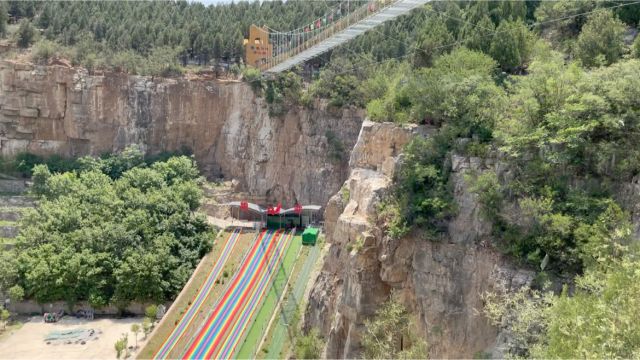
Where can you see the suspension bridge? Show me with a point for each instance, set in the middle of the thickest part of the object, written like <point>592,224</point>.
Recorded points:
<point>275,51</point>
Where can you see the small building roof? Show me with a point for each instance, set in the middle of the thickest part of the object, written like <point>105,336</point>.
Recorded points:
<point>310,208</point>
<point>252,206</point>
<point>311,230</point>
<point>259,209</point>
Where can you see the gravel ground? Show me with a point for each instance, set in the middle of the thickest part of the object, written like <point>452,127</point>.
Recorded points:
<point>28,341</point>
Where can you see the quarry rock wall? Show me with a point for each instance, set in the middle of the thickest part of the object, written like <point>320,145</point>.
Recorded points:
<point>301,155</point>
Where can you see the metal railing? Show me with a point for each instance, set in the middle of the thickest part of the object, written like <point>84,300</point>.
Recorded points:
<point>359,14</point>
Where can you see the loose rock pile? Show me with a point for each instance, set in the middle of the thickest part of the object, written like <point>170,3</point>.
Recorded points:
<point>72,336</point>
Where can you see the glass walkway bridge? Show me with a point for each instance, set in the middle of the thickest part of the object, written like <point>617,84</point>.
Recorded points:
<point>276,51</point>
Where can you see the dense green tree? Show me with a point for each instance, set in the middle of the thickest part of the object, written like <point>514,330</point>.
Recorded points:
<point>587,117</point>
<point>458,90</point>
<point>41,175</point>
<point>571,14</point>
<point>188,28</point>
<point>112,232</point>
<point>338,85</point>
<point>16,293</point>
<point>26,33</point>
<point>433,39</point>
<point>19,9</point>
<point>600,41</point>
<point>459,96</point>
<point>509,10</point>
<point>4,18</point>
<point>511,46</point>
<point>479,36</point>
<point>598,320</point>
<point>8,270</point>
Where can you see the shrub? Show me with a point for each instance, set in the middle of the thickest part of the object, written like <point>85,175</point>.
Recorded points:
<point>26,34</point>
<point>635,48</point>
<point>147,326</point>
<point>390,327</point>
<point>235,70</point>
<point>488,190</point>
<point>16,293</point>
<point>120,346</point>
<point>309,346</point>
<point>345,194</point>
<point>336,149</point>
<point>151,312</point>
<point>43,50</point>
<point>252,76</point>
<point>4,318</point>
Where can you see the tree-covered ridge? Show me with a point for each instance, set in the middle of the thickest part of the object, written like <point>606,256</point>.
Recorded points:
<point>114,231</point>
<point>507,31</point>
<point>128,34</point>
<point>565,126</point>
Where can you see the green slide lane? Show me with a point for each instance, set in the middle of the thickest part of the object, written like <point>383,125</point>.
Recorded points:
<point>259,326</point>
<point>290,306</point>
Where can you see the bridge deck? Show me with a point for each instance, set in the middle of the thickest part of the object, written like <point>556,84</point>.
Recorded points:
<point>346,29</point>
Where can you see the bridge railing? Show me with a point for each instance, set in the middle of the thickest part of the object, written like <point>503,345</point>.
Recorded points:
<point>359,14</point>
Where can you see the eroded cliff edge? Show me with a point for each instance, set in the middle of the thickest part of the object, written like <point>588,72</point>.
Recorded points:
<point>299,156</point>
<point>440,283</point>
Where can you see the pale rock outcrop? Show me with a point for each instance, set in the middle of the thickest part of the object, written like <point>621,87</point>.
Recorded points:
<point>66,111</point>
<point>468,226</point>
<point>441,283</point>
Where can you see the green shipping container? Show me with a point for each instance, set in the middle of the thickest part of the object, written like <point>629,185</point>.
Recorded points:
<point>310,236</point>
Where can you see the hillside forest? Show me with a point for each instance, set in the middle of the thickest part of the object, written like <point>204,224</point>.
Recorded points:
<point>546,94</point>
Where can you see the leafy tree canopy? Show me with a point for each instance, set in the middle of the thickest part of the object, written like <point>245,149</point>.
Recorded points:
<point>114,231</point>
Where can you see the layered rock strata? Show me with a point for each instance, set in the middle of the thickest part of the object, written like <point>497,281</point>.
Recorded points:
<point>299,156</point>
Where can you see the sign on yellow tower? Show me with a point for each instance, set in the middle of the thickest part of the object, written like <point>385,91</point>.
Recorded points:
<point>257,48</point>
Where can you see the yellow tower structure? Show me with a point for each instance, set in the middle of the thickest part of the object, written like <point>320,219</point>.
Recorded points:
<point>257,48</point>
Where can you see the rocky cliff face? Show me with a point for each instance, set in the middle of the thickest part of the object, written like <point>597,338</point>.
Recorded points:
<point>440,283</point>
<point>300,156</point>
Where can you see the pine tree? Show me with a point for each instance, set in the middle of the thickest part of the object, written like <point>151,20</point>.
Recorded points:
<point>26,33</point>
<point>600,42</point>
<point>4,17</point>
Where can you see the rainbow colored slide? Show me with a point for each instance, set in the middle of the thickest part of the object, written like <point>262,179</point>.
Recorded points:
<point>201,296</point>
<point>223,330</point>
<point>241,327</point>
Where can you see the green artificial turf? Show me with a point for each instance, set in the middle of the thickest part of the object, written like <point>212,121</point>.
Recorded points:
<point>259,327</point>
